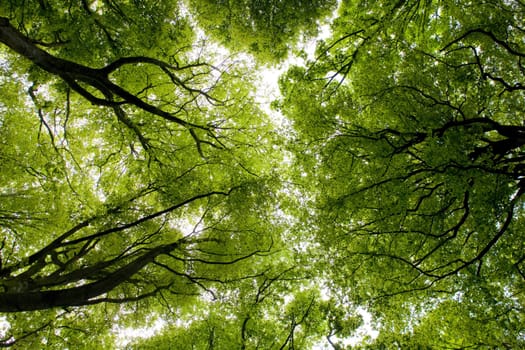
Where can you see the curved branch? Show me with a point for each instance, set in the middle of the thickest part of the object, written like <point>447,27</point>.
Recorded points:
<point>145,218</point>
<point>491,35</point>
<point>73,73</point>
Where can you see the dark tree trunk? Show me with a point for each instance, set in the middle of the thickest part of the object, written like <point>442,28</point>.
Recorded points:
<point>77,296</point>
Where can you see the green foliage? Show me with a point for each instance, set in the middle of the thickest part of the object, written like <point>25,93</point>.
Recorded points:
<point>410,121</point>
<point>103,30</point>
<point>140,192</point>
<point>267,29</point>
<point>147,201</point>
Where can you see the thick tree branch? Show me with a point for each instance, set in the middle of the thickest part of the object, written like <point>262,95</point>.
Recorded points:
<point>82,295</point>
<point>114,95</point>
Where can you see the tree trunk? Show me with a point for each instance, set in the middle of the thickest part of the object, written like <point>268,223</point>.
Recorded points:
<point>22,45</point>
<point>77,296</point>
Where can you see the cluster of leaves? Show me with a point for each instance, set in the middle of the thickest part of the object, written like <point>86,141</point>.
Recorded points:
<point>267,29</point>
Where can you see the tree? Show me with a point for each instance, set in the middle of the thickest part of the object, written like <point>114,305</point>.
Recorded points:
<point>411,121</point>
<point>136,176</point>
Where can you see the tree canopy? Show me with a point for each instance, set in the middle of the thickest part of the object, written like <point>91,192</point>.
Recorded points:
<point>410,123</point>
<point>267,29</point>
<point>149,200</point>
